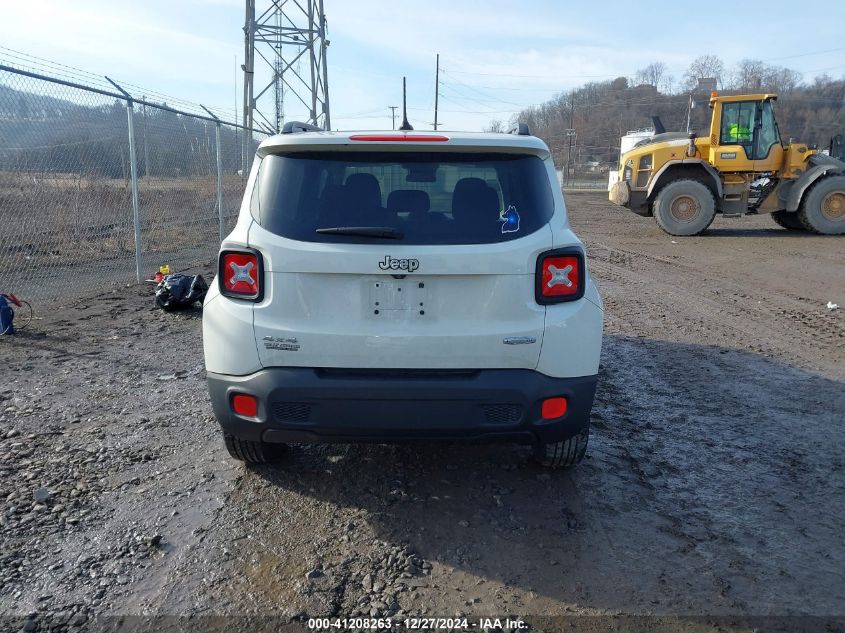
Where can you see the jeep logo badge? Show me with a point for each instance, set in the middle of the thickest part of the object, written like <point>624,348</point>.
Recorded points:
<point>389,263</point>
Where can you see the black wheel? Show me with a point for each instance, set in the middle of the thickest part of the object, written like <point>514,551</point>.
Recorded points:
<point>684,207</point>
<point>253,452</point>
<point>823,208</point>
<point>564,454</point>
<point>787,220</point>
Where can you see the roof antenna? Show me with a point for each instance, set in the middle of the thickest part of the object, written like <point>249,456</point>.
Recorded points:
<point>405,125</point>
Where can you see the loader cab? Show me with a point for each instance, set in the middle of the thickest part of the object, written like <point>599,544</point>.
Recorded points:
<point>744,135</point>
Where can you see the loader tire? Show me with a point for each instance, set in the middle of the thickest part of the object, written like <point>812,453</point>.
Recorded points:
<point>787,220</point>
<point>253,452</point>
<point>565,454</point>
<point>684,207</point>
<point>823,207</point>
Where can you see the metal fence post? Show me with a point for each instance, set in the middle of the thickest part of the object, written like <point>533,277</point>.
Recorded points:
<point>220,210</point>
<point>221,214</point>
<point>133,171</point>
<point>136,201</point>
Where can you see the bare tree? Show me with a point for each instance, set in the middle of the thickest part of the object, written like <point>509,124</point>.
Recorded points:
<point>704,67</point>
<point>782,80</point>
<point>654,74</point>
<point>749,76</point>
<point>752,75</point>
<point>495,126</point>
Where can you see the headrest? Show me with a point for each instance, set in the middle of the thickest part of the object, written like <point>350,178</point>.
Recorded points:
<point>363,189</point>
<point>408,201</point>
<point>330,206</point>
<point>473,200</point>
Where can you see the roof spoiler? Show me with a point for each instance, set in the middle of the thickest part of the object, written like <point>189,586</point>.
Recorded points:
<point>521,129</point>
<point>293,127</point>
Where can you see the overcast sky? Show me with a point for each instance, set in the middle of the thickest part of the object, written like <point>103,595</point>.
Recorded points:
<point>497,56</point>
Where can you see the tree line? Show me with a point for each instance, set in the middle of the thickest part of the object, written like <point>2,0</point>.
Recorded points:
<point>39,133</point>
<point>593,117</point>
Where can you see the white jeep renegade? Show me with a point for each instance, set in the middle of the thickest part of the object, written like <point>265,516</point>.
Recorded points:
<point>402,286</point>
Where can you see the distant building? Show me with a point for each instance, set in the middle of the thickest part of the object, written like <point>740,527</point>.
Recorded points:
<point>706,85</point>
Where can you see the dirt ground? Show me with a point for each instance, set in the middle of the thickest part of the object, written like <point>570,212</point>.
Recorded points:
<point>712,497</point>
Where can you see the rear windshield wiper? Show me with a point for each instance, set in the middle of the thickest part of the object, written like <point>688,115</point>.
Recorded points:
<point>364,231</point>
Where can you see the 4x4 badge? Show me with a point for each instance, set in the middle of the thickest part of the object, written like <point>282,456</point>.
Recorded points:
<point>286,343</point>
<point>389,263</point>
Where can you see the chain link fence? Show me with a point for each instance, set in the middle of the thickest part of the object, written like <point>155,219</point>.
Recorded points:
<point>86,205</point>
<point>584,180</point>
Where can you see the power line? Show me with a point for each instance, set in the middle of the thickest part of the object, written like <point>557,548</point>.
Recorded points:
<point>483,94</point>
<point>671,70</point>
<point>45,66</point>
<point>830,50</point>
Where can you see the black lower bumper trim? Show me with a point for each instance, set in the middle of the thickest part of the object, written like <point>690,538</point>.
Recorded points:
<point>311,405</point>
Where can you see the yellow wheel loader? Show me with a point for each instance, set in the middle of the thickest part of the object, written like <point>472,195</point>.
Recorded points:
<point>742,167</point>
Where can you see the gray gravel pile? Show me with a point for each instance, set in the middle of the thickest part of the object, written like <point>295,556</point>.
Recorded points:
<point>103,423</point>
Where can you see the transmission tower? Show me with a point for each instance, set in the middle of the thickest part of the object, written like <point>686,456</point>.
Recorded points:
<point>287,41</point>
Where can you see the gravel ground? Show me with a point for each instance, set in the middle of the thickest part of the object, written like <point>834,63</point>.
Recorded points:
<point>713,484</point>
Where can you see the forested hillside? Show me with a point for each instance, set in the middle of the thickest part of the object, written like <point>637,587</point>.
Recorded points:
<point>39,133</point>
<point>601,112</point>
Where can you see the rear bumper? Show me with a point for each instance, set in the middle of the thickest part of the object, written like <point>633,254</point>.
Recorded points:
<point>305,405</point>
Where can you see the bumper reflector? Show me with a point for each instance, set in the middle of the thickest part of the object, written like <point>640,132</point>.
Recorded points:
<point>245,405</point>
<point>554,408</point>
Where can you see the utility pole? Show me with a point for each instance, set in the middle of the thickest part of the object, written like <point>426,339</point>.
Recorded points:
<point>436,90</point>
<point>570,132</point>
<point>690,106</point>
<point>393,114</point>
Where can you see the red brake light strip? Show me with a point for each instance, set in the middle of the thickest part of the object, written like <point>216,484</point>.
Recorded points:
<point>399,138</point>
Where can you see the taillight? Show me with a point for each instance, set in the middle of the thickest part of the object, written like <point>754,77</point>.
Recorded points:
<point>241,274</point>
<point>560,276</point>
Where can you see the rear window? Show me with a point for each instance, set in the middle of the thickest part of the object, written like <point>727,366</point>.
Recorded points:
<point>423,198</point>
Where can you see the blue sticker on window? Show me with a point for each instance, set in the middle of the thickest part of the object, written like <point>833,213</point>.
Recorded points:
<point>510,220</point>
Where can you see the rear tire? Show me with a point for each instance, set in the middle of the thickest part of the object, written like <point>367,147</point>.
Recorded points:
<point>684,207</point>
<point>787,220</point>
<point>565,454</point>
<point>253,452</point>
<point>823,208</point>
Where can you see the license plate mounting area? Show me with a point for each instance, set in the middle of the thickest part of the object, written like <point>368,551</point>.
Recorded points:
<point>406,297</point>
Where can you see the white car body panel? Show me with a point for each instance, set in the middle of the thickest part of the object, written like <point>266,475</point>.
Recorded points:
<point>470,305</point>
<point>227,332</point>
<point>318,308</point>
